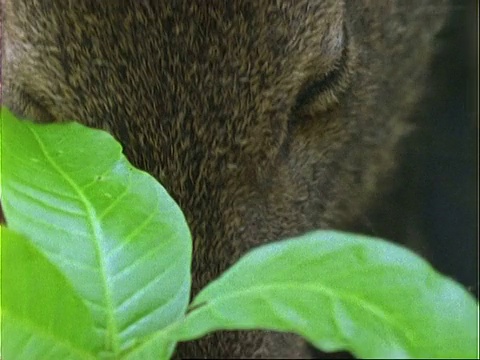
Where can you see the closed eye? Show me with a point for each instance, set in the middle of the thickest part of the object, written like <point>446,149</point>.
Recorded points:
<point>326,87</point>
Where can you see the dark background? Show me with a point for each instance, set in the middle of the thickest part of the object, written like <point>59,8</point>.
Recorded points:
<point>451,165</point>
<point>440,167</point>
<point>434,202</point>
<point>431,205</point>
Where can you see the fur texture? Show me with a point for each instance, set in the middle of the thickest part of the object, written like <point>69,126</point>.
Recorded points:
<point>263,119</point>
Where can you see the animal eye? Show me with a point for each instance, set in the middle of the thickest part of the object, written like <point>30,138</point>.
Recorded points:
<point>324,90</point>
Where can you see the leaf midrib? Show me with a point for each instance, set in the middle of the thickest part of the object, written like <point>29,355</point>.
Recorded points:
<point>372,308</point>
<point>164,333</point>
<point>97,232</point>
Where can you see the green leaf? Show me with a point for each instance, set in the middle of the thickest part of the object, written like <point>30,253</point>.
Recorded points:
<point>158,347</point>
<point>43,317</point>
<point>112,230</point>
<point>341,292</point>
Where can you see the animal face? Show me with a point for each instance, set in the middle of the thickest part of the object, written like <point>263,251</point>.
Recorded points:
<point>263,119</point>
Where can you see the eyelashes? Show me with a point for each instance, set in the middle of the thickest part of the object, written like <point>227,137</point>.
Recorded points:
<point>322,93</point>
<point>325,88</point>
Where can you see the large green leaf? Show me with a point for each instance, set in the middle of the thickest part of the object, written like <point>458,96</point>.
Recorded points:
<point>341,291</point>
<point>114,232</point>
<point>43,317</point>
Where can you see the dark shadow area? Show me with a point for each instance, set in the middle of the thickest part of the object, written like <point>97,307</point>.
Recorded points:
<point>433,207</point>
<point>451,183</point>
<point>441,166</point>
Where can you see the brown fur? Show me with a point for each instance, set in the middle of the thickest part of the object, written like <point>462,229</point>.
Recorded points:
<point>217,99</point>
